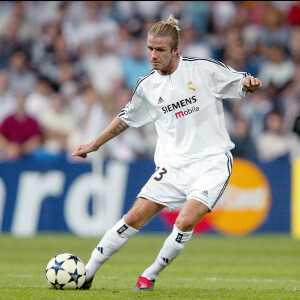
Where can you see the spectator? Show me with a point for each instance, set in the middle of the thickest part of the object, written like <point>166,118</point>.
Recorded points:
<point>277,70</point>
<point>237,57</point>
<point>20,135</point>
<point>93,27</point>
<point>150,9</point>
<point>290,101</point>
<point>7,101</point>
<point>175,8</point>
<point>256,11</point>
<point>57,54</point>
<point>16,23</point>
<point>254,110</point>
<point>44,44</point>
<point>223,13</point>
<point>136,65</point>
<point>273,144</point>
<point>66,78</point>
<point>21,78</point>
<point>57,123</point>
<point>120,43</point>
<point>42,12</point>
<point>5,53</point>
<point>242,16</point>
<point>294,44</point>
<point>99,62</point>
<point>232,37</point>
<point>198,14</point>
<point>293,17</point>
<point>39,100</point>
<point>244,145</point>
<point>191,44</point>
<point>91,115</point>
<point>273,30</point>
<point>296,128</point>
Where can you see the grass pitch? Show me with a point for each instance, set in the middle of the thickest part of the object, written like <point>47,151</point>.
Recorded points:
<point>211,267</point>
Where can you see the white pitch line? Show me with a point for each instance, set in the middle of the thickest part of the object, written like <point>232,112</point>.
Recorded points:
<point>251,280</point>
<point>17,286</point>
<point>23,275</point>
<point>244,279</point>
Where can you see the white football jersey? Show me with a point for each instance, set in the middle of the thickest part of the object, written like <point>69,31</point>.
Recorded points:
<point>187,109</point>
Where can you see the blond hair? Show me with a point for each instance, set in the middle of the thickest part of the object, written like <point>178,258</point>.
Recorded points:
<point>167,28</point>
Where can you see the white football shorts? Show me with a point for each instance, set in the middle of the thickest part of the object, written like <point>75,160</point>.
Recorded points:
<point>204,180</point>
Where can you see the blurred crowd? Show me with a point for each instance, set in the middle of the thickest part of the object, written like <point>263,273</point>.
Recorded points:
<point>68,67</point>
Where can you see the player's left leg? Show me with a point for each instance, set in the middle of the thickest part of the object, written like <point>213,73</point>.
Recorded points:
<point>192,212</point>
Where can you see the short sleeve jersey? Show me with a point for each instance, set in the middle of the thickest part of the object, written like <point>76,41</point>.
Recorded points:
<point>187,109</point>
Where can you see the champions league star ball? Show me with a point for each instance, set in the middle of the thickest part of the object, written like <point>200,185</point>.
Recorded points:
<point>66,272</point>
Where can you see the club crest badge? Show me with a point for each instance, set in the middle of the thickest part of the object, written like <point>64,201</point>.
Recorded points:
<point>191,87</point>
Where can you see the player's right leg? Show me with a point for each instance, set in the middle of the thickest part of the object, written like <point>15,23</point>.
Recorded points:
<point>116,237</point>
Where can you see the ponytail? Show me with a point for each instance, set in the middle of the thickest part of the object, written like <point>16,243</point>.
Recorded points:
<point>167,28</point>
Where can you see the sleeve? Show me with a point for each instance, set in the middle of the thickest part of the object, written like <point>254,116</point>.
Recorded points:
<point>228,82</point>
<point>138,111</point>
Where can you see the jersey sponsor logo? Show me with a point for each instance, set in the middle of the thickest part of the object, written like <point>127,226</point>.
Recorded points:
<point>191,87</point>
<point>189,111</point>
<point>179,104</point>
<point>179,114</point>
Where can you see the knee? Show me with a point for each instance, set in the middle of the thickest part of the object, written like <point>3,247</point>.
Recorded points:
<point>141,212</point>
<point>185,223</point>
<point>134,220</point>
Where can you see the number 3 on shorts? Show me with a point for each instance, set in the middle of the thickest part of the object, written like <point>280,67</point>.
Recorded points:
<point>161,174</point>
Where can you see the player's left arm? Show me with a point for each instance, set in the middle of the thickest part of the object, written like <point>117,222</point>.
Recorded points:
<point>229,83</point>
<point>251,84</point>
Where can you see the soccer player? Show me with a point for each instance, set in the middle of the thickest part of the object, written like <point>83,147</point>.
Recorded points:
<point>183,97</point>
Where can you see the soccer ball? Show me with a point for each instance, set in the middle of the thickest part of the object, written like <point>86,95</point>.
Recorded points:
<point>66,272</point>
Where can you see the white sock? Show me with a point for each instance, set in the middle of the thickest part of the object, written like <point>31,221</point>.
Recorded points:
<point>113,240</point>
<point>173,246</point>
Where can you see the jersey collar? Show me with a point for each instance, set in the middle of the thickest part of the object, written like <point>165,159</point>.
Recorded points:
<point>178,67</point>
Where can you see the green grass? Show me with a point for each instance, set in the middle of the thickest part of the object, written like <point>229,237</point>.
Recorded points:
<point>211,267</point>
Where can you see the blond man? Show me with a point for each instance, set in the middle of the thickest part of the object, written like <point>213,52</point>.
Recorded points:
<point>183,97</point>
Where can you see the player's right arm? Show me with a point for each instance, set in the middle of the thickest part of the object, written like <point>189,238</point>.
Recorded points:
<point>116,127</point>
